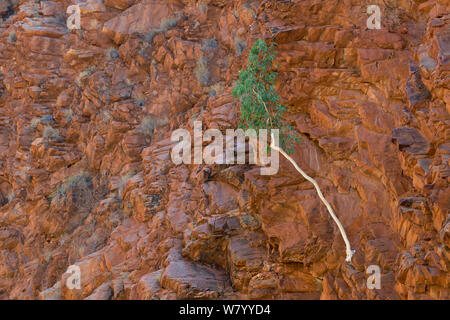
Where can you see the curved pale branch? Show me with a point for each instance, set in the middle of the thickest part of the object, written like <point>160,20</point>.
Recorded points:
<point>349,251</point>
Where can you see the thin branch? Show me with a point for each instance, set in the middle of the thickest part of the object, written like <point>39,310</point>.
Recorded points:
<point>265,106</point>
<point>349,251</point>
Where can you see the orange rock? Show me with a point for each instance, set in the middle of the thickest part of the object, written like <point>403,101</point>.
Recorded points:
<point>86,176</point>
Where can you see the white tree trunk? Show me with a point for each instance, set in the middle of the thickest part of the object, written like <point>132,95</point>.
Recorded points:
<point>349,251</point>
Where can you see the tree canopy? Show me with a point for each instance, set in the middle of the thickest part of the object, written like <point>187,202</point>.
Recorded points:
<point>260,103</point>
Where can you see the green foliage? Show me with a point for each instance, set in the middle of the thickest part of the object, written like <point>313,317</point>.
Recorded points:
<point>51,133</point>
<point>123,181</point>
<point>84,74</point>
<point>147,126</point>
<point>209,43</point>
<point>202,72</point>
<point>81,183</point>
<point>168,23</point>
<point>164,26</point>
<point>260,102</point>
<point>12,37</point>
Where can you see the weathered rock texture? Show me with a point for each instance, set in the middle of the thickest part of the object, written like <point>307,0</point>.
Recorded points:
<point>86,177</point>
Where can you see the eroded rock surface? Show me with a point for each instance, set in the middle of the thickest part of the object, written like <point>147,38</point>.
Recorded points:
<point>86,177</point>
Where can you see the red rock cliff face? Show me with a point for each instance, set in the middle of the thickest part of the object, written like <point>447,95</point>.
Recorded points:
<point>86,178</point>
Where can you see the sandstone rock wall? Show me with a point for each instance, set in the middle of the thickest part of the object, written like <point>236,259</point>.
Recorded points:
<point>86,177</point>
